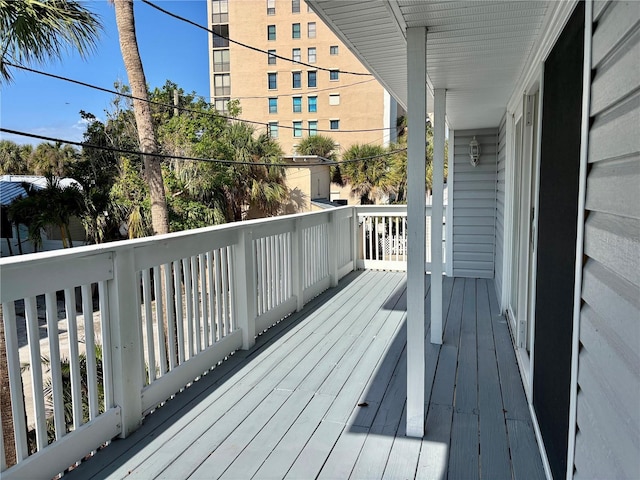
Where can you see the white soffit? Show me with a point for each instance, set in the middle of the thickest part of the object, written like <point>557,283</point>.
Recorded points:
<point>477,50</point>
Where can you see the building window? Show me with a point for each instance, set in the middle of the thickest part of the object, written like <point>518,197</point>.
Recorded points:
<point>334,99</point>
<point>313,104</point>
<point>222,84</point>
<point>273,81</point>
<point>312,54</point>
<point>334,75</point>
<point>271,58</point>
<point>334,124</point>
<point>273,105</point>
<point>271,32</point>
<point>221,60</point>
<point>295,6</point>
<point>271,7</point>
<point>333,50</point>
<point>220,36</point>
<point>311,29</point>
<point>297,129</point>
<point>297,79</point>
<point>221,104</point>
<point>297,104</point>
<point>220,9</point>
<point>273,129</point>
<point>295,30</point>
<point>312,79</point>
<point>296,55</point>
<point>313,128</point>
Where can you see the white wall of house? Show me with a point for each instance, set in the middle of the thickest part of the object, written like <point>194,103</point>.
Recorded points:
<point>474,204</point>
<point>500,205</point>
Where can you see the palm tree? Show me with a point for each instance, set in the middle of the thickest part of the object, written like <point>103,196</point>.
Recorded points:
<point>320,145</point>
<point>35,31</point>
<point>368,178</point>
<point>142,112</point>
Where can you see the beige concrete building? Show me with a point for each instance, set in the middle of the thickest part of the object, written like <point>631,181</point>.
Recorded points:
<point>294,100</point>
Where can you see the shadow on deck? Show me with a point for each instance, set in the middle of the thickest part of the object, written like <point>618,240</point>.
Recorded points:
<point>323,395</point>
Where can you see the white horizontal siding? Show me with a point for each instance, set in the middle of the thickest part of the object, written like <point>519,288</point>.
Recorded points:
<point>608,412</point>
<point>474,211</point>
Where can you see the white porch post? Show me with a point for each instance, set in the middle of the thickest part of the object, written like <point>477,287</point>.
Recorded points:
<point>416,196</point>
<point>436,215</point>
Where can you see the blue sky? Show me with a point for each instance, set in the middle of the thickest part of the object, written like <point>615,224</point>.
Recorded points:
<point>170,50</point>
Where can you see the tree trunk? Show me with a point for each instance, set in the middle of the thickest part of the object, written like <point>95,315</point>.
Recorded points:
<point>142,113</point>
<point>8,436</point>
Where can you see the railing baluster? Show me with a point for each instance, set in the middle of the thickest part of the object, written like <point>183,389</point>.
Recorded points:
<point>107,368</point>
<point>170,298</point>
<point>203,300</point>
<point>186,267</point>
<point>219,318</point>
<point>177,288</point>
<point>211,297</point>
<point>159,318</point>
<point>225,292</point>
<point>15,380</point>
<point>74,363</point>
<point>90,350</point>
<point>54,365</point>
<point>196,302</point>
<point>148,321</point>
<point>35,370</point>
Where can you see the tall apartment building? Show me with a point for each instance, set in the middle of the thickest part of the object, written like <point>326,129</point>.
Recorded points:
<point>315,96</point>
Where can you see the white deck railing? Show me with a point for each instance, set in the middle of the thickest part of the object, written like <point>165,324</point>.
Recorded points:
<point>124,326</point>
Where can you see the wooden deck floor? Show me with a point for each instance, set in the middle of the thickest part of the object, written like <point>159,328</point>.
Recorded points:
<point>322,395</point>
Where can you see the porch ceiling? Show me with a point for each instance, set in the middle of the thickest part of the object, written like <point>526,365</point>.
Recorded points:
<point>477,50</point>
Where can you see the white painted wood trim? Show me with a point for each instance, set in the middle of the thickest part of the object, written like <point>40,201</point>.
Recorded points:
<point>417,98</point>
<point>440,99</point>
<point>64,452</point>
<point>582,193</point>
<point>509,180</point>
<point>162,389</point>
<point>245,288</point>
<point>297,256</point>
<point>449,209</point>
<point>126,341</point>
<point>543,451</point>
<point>276,314</point>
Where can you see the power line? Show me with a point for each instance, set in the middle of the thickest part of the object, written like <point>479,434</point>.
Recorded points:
<point>250,47</point>
<point>194,159</point>
<point>183,109</point>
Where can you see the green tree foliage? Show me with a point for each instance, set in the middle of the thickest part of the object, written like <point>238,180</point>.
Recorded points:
<point>36,31</point>
<point>369,179</point>
<point>320,145</point>
<point>14,158</point>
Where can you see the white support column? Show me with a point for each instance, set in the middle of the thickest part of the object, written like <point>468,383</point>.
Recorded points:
<point>416,199</point>
<point>449,213</point>
<point>436,215</point>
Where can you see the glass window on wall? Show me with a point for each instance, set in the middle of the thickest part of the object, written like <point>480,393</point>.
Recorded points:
<point>295,30</point>
<point>272,81</point>
<point>297,104</point>
<point>271,32</point>
<point>334,124</point>
<point>273,105</point>
<point>296,55</point>
<point>273,129</point>
<point>334,75</point>
<point>311,29</point>
<point>297,129</point>
<point>311,52</point>
<point>313,128</point>
<point>333,50</point>
<point>296,79</point>
<point>271,58</point>
<point>295,6</point>
<point>271,7</point>
<point>313,104</point>
<point>220,9</point>
<point>221,104</point>
<point>221,61</point>
<point>220,36</point>
<point>312,79</point>
<point>222,84</point>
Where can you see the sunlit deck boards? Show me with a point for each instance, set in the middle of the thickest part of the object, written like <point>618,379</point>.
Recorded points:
<point>322,395</point>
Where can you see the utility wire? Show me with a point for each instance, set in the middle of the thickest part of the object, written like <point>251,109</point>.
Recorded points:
<point>183,109</point>
<point>194,159</point>
<point>250,47</point>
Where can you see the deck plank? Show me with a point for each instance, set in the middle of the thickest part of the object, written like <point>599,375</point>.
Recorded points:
<point>463,457</point>
<point>433,463</point>
<point>466,390</point>
<point>522,443</point>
